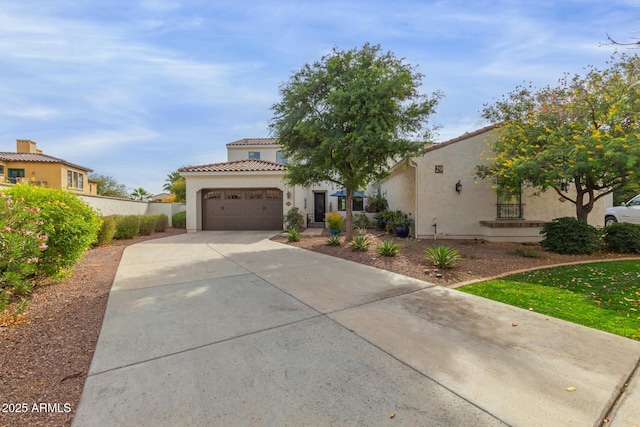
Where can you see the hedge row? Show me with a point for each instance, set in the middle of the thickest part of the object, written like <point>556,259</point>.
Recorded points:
<point>116,227</point>
<point>43,233</point>
<point>569,235</point>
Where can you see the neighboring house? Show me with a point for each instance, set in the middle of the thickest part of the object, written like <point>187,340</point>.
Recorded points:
<point>446,200</point>
<point>162,197</point>
<point>248,191</point>
<point>28,164</point>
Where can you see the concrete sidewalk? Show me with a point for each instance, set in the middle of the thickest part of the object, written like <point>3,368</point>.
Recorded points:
<point>230,328</point>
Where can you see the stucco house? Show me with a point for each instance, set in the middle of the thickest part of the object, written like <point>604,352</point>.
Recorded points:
<point>438,189</point>
<point>446,200</point>
<point>29,164</point>
<point>248,191</point>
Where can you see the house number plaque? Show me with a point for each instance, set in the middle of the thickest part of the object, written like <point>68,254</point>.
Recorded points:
<point>439,168</point>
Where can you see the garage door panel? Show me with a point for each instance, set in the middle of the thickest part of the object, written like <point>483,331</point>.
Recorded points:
<point>242,209</point>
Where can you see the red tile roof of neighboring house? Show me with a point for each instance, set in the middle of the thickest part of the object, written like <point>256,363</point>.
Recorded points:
<point>38,158</point>
<point>253,141</point>
<point>250,165</point>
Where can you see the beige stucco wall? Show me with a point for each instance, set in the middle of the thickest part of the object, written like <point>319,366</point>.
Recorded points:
<point>399,188</point>
<point>197,181</point>
<point>267,152</point>
<point>458,215</point>
<point>106,206</point>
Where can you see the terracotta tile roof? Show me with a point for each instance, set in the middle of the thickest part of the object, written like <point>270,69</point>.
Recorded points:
<point>462,137</point>
<point>238,166</point>
<point>253,141</point>
<point>38,158</point>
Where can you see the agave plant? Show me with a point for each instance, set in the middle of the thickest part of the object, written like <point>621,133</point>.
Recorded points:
<point>442,256</point>
<point>388,248</point>
<point>334,241</point>
<point>293,235</point>
<point>360,243</point>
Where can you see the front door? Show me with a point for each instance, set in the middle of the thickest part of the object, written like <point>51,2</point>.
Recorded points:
<point>319,203</point>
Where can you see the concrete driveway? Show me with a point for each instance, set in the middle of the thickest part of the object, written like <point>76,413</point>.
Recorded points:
<point>230,328</point>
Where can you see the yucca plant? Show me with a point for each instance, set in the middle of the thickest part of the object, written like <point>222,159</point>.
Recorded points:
<point>334,241</point>
<point>293,235</point>
<point>388,248</point>
<point>360,243</point>
<point>442,256</point>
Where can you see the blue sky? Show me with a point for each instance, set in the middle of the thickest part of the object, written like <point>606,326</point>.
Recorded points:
<point>136,89</point>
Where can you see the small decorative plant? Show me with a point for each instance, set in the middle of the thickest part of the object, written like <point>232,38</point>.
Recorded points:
<point>362,221</point>
<point>334,241</point>
<point>294,219</point>
<point>334,221</point>
<point>442,256</point>
<point>388,248</point>
<point>377,202</point>
<point>360,243</point>
<point>293,235</point>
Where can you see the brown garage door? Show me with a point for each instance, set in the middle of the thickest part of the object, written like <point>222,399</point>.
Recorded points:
<point>242,209</point>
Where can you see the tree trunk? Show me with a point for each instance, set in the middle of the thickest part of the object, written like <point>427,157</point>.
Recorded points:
<point>582,209</point>
<point>349,202</point>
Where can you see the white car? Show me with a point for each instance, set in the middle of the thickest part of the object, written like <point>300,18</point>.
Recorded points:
<point>628,212</point>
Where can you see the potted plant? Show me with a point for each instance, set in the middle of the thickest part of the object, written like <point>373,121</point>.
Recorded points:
<point>334,222</point>
<point>403,223</point>
<point>381,220</point>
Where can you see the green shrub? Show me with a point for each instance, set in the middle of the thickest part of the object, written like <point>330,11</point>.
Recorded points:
<point>106,231</point>
<point>293,235</point>
<point>377,202</point>
<point>361,221</point>
<point>360,243</point>
<point>127,227</point>
<point>162,223</point>
<point>21,246</point>
<point>71,224</point>
<point>569,235</point>
<point>294,219</point>
<point>334,241</point>
<point>179,220</point>
<point>147,225</point>
<point>388,248</point>
<point>623,237</point>
<point>442,256</point>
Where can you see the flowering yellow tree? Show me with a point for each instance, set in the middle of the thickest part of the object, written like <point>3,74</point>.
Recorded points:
<point>584,133</point>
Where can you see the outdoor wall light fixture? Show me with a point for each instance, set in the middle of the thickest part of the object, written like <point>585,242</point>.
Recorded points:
<point>458,187</point>
<point>288,194</point>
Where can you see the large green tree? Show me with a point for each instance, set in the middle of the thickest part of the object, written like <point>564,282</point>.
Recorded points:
<point>348,117</point>
<point>108,186</point>
<point>583,134</point>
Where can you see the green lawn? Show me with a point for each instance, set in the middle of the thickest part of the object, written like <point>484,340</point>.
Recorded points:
<point>602,295</point>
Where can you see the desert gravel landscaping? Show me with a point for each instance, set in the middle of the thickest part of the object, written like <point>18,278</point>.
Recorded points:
<point>480,259</point>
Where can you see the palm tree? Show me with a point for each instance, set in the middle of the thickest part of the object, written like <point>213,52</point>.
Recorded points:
<point>172,178</point>
<point>141,194</point>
